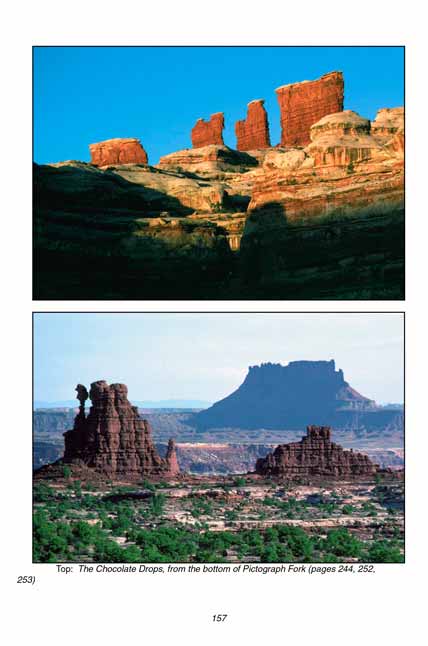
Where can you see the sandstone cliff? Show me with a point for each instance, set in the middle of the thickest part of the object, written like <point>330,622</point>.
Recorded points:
<point>302,104</point>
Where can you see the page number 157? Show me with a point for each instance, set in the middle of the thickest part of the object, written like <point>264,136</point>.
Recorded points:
<point>219,617</point>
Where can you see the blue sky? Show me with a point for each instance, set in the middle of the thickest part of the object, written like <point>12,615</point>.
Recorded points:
<point>206,356</point>
<point>87,94</point>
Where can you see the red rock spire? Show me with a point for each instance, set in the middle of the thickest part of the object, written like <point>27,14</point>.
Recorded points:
<point>112,438</point>
<point>205,133</point>
<point>252,133</point>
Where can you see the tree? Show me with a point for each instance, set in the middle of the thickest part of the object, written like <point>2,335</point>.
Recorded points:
<point>342,543</point>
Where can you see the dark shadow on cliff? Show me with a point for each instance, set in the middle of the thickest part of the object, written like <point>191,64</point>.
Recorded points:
<point>358,256</point>
<point>85,188</point>
<point>94,239</point>
<point>256,258</point>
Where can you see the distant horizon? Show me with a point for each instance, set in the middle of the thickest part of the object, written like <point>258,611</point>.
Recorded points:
<point>166,356</point>
<point>83,95</point>
<point>57,405</point>
<point>166,403</point>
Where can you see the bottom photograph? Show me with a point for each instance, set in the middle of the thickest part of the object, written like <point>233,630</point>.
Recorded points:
<point>218,437</point>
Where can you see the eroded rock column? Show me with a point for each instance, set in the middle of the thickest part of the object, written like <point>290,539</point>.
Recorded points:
<point>205,133</point>
<point>252,133</point>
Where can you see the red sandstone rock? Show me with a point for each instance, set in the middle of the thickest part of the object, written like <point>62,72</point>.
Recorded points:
<point>171,458</point>
<point>113,439</point>
<point>303,104</point>
<point>344,171</point>
<point>118,151</point>
<point>209,132</point>
<point>253,132</point>
<point>315,455</point>
<point>303,196</point>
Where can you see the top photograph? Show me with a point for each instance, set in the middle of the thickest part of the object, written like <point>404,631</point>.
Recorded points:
<point>218,173</point>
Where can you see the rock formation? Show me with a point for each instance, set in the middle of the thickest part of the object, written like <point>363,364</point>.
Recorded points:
<point>118,151</point>
<point>388,129</point>
<point>388,122</point>
<point>208,160</point>
<point>345,170</point>
<point>252,133</point>
<point>303,104</point>
<point>171,458</point>
<point>343,138</point>
<point>209,132</point>
<point>112,439</point>
<point>273,396</point>
<point>175,193</point>
<point>315,456</point>
<point>322,219</point>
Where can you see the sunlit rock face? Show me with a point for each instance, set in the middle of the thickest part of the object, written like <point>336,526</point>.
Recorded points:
<point>343,138</point>
<point>209,132</point>
<point>388,129</point>
<point>252,133</point>
<point>388,121</point>
<point>303,104</point>
<point>345,169</point>
<point>118,151</point>
<point>209,160</point>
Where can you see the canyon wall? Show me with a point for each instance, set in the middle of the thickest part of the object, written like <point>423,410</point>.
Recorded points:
<point>302,104</point>
<point>252,133</point>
